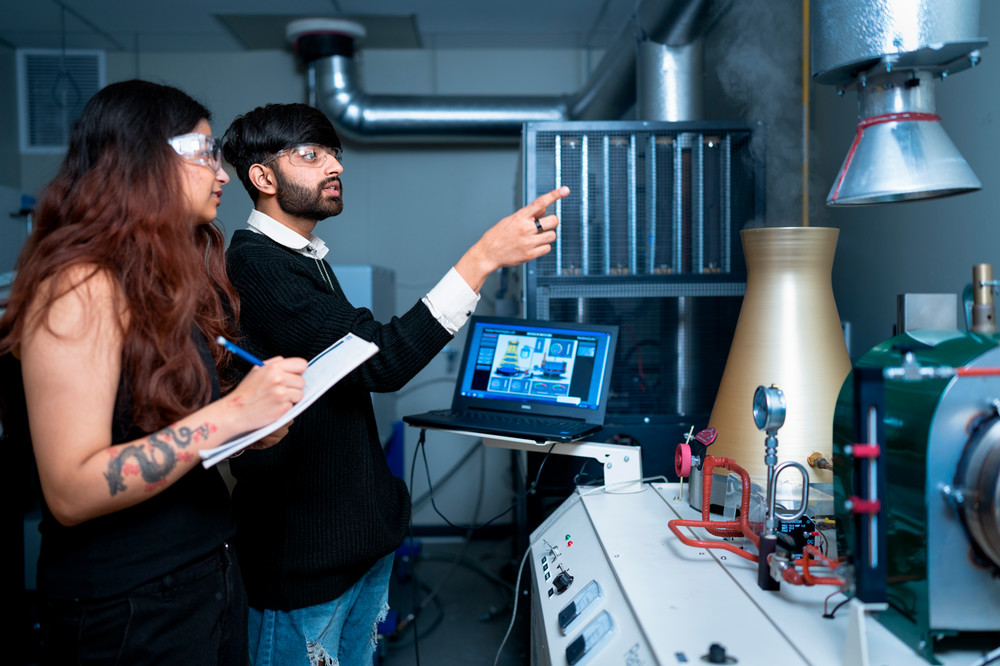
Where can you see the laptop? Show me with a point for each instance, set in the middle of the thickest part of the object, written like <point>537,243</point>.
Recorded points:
<point>539,380</point>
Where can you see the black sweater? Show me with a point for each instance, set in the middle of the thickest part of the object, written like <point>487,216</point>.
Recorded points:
<point>317,510</point>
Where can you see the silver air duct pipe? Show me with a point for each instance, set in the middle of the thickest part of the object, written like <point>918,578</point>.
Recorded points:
<point>327,46</point>
<point>891,51</point>
<point>669,83</point>
<point>670,60</point>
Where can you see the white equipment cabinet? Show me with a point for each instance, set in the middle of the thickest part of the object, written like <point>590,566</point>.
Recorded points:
<point>372,287</point>
<point>612,585</point>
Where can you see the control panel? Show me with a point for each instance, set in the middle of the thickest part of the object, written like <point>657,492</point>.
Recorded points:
<point>611,585</point>
<point>583,624</point>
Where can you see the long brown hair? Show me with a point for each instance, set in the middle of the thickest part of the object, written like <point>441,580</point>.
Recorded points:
<point>117,204</point>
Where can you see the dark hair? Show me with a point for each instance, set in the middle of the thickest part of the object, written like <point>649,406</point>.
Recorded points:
<point>259,134</point>
<point>117,206</point>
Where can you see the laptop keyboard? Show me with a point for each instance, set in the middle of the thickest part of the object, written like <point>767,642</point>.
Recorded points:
<point>518,422</point>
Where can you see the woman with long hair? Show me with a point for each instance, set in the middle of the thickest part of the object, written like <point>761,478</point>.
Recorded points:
<point>110,371</point>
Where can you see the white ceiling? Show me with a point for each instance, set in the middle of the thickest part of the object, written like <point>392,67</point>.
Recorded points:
<point>236,25</point>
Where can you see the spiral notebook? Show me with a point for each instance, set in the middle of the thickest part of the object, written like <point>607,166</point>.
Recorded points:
<point>539,380</point>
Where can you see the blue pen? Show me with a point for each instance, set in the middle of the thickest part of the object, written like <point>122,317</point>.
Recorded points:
<point>238,351</point>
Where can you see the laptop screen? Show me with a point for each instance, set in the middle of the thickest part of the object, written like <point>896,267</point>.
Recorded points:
<point>534,366</point>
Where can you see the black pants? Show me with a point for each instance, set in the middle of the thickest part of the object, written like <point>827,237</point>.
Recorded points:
<point>196,615</point>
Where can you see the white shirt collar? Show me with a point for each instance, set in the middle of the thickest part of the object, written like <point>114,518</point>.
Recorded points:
<point>263,223</point>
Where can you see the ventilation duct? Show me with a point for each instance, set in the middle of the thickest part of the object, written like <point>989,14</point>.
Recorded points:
<point>891,52</point>
<point>328,48</point>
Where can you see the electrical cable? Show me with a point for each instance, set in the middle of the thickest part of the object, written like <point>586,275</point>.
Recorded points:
<point>583,477</point>
<point>813,553</point>
<point>825,547</point>
<point>836,608</point>
<point>470,528</point>
<point>531,489</point>
<point>465,541</point>
<point>826,600</point>
<point>990,658</point>
<point>520,568</point>
<point>513,614</point>
<point>472,565</point>
<point>423,451</point>
<point>420,501</point>
<point>432,595</point>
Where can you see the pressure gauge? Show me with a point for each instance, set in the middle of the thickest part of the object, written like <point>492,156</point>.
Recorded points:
<point>768,408</point>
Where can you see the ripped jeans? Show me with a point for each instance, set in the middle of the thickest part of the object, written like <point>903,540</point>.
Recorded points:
<point>341,632</point>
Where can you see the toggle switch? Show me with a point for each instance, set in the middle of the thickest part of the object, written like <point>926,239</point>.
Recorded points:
<point>562,582</point>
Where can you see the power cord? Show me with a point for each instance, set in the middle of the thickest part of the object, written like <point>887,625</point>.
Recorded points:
<point>513,614</point>
<point>991,658</point>
<point>520,568</point>
<point>418,607</point>
<point>444,478</point>
<point>531,489</point>
<point>466,541</point>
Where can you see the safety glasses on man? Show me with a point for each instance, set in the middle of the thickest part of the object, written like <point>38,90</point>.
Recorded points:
<point>198,149</point>
<point>307,155</point>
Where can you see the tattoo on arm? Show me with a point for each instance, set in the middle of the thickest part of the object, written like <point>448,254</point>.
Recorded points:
<point>152,467</point>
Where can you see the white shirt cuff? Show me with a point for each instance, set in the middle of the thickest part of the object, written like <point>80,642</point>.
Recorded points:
<point>451,301</point>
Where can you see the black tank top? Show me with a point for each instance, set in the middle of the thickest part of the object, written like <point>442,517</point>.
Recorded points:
<point>111,554</point>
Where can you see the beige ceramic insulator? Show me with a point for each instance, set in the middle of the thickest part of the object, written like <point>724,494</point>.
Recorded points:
<point>789,334</point>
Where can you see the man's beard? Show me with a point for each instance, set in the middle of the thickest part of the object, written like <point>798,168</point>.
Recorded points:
<point>297,200</point>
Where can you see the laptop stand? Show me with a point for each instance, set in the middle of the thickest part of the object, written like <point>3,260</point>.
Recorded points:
<point>622,464</point>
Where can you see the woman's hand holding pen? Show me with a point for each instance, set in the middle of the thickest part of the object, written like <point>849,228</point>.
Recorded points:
<point>267,392</point>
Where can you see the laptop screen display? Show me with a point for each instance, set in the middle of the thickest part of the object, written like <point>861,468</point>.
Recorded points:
<point>544,363</point>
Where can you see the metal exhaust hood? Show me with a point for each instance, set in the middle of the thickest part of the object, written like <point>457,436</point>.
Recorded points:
<point>891,52</point>
<point>901,151</point>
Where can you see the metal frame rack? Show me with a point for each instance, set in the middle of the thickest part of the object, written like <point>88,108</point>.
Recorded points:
<point>648,239</point>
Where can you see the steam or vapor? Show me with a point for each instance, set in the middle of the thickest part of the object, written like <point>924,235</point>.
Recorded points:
<point>759,56</point>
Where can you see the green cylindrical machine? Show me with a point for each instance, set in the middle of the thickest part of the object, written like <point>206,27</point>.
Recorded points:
<point>941,506</point>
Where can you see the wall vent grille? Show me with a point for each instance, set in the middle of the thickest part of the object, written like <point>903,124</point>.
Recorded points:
<point>53,87</point>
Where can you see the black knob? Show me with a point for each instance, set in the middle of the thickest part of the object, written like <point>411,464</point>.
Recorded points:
<point>562,581</point>
<point>716,654</point>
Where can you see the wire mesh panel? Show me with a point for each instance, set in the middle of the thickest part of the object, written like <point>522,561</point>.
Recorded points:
<point>648,240</point>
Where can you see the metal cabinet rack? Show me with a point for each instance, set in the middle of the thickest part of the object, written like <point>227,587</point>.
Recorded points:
<point>648,240</point>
